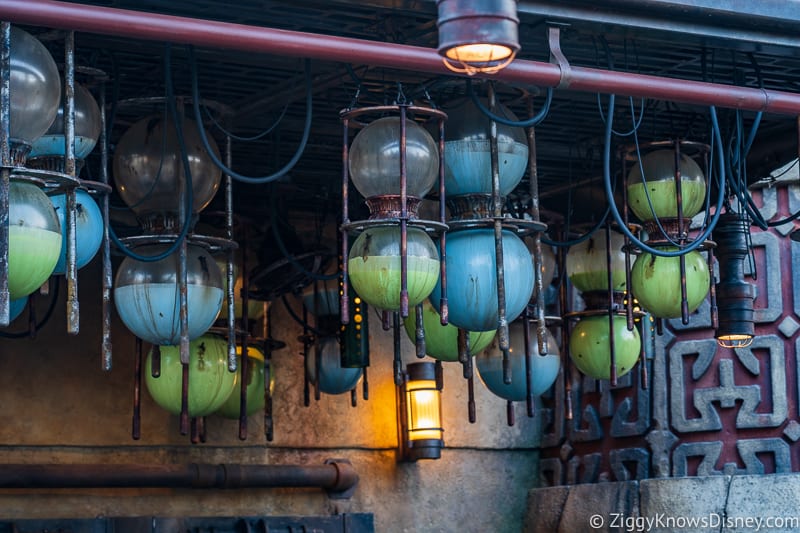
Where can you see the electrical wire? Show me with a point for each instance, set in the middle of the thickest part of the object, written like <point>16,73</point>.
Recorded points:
<point>530,122</point>
<point>255,180</point>
<point>235,137</point>
<point>49,313</point>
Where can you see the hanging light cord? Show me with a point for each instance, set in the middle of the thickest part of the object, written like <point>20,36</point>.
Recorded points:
<point>255,137</point>
<point>255,180</point>
<point>530,122</point>
<point>189,196</point>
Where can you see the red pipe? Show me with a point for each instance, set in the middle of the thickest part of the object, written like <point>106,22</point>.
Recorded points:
<point>209,33</point>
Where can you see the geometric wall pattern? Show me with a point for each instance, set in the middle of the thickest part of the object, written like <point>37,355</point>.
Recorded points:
<point>705,410</point>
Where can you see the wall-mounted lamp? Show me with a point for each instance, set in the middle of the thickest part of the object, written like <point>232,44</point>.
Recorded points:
<point>734,295</point>
<point>420,413</point>
<point>477,35</point>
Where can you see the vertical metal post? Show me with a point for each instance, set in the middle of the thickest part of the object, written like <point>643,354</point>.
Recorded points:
<point>564,308</point>
<point>136,429</point>
<point>612,350</point>
<point>681,239</point>
<point>443,310</point>
<point>530,401</point>
<point>5,170</point>
<point>230,260</point>
<point>344,297</point>
<point>403,217</point>
<point>398,359</point>
<point>107,270</point>
<point>419,331</point>
<point>497,214</point>
<point>183,290</point>
<point>627,250</point>
<point>71,216</point>
<point>533,170</point>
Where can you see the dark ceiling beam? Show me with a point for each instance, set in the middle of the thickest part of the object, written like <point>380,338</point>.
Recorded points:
<point>154,26</point>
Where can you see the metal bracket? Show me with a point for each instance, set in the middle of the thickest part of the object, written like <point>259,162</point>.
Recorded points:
<point>558,57</point>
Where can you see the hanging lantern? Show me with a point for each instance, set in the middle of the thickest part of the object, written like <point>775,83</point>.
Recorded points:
<point>255,385</point>
<point>147,300</point>
<point>587,263</point>
<point>655,195</point>
<point>656,283</point>
<point>148,171</point>
<point>88,229</point>
<point>472,278</point>
<point>331,378</point>
<point>543,372</point>
<point>210,382</point>
<point>468,164</point>
<point>735,296</point>
<point>374,266</point>
<point>34,237</point>
<point>420,413</point>
<point>591,346</point>
<point>441,342</point>
<point>48,150</point>
<point>35,88</point>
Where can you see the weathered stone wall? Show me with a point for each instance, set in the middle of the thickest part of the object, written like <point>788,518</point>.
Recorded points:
<point>58,406</point>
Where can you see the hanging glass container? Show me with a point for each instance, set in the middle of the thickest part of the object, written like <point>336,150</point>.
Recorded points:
<point>374,266</point>
<point>590,346</point>
<point>544,370</point>
<point>210,382</point>
<point>255,385</point>
<point>548,261</point>
<point>255,308</point>
<point>146,295</point>
<point>472,278</point>
<point>51,145</point>
<point>88,229</point>
<point>16,307</point>
<point>35,89</point>
<point>148,170</point>
<point>656,283</point>
<point>331,378</point>
<point>327,297</point>
<point>587,263</point>
<point>468,164</point>
<point>441,342</point>
<point>655,196</point>
<point>34,238</point>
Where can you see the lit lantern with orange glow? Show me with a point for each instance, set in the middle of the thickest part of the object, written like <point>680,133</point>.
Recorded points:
<point>422,416</point>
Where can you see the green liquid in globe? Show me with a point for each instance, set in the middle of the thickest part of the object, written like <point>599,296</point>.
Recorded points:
<point>598,280</point>
<point>377,279</point>
<point>32,256</point>
<point>663,198</point>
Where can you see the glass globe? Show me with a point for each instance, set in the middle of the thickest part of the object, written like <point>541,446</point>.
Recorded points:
<point>16,308</point>
<point>87,129</point>
<point>148,167</point>
<point>35,89</point>
<point>590,350</point>
<point>374,159</point>
<point>255,308</point>
<point>34,238</point>
<point>544,370</point>
<point>441,342</point>
<point>656,283</point>
<point>147,300</point>
<point>468,163</point>
<point>255,385</point>
<point>332,378</point>
<point>374,266</point>
<point>659,173</point>
<point>210,382</point>
<point>587,265</point>
<point>548,261</point>
<point>327,297</point>
<point>472,278</point>
<point>88,229</point>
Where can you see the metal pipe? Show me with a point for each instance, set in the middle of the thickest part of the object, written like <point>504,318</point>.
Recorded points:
<point>71,214</point>
<point>336,476</point>
<point>5,164</point>
<point>209,33</point>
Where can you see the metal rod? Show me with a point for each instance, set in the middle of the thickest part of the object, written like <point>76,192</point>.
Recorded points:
<point>230,261</point>
<point>530,402</point>
<point>155,361</point>
<point>419,330</point>
<point>210,33</point>
<point>564,308</point>
<point>344,298</point>
<point>510,418</point>
<point>398,356</point>
<point>71,215</point>
<point>136,429</point>
<point>612,350</point>
<point>626,248</point>
<point>337,476</point>
<point>471,414</point>
<point>533,189</point>
<point>681,229</point>
<point>444,313</point>
<point>269,429</point>
<point>184,416</point>
<point>107,269</point>
<point>403,218</point>
<point>5,171</point>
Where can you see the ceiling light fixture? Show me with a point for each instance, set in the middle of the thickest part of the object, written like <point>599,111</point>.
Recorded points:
<point>477,35</point>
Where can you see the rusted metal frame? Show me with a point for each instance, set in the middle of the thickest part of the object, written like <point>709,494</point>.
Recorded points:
<point>107,282</point>
<point>209,33</point>
<point>682,231</point>
<point>564,308</point>
<point>403,215</point>
<point>497,215</point>
<point>612,350</point>
<point>136,425</point>
<point>399,372</point>
<point>336,476</point>
<point>269,430</point>
<point>5,167</point>
<point>344,298</point>
<point>541,327</point>
<point>419,331</point>
<point>70,217</point>
<point>530,401</point>
<point>230,259</point>
<point>244,363</point>
<point>444,313</point>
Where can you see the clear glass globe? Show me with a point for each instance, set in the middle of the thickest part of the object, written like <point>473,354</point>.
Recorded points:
<point>468,163</point>
<point>331,378</point>
<point>34,238</point>
<point>544,371</point>
<point>87,129</point>
<point>659,174</point>
<point>374,159</point>
<point>374,266</point>
<point>35,88</point>
<point>587,263</point>
<point>147,299</point>
<point>148,168</point>
<point>210,382</point>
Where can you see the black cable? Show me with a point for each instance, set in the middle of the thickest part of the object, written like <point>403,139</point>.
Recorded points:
<point>50,308</point>
<point>527,123</point>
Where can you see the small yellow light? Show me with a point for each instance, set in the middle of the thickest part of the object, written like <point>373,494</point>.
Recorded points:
<point>735,340</point>
<point>357,319</point>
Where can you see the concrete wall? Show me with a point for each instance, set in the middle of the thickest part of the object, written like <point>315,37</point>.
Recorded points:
<point>58,406</point>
